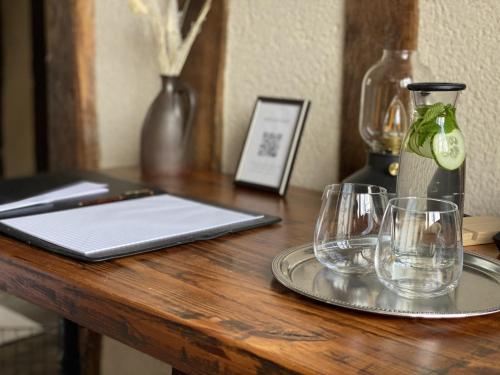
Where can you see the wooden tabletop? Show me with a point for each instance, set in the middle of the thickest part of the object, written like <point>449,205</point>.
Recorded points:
<point>213,306</point>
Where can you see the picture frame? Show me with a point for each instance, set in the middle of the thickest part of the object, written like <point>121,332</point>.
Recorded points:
<point>273,138</point>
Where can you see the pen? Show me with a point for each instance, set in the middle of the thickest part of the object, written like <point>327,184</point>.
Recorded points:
<point>120,197</point>
<point>28,210</point>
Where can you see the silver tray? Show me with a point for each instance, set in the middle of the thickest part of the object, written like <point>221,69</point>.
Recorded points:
<point>478,291</point>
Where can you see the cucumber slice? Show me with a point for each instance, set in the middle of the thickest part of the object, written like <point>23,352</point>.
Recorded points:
<point>409,142</point>
<point>426,149</point>
<point>413,143</point>
<point>448,149</point>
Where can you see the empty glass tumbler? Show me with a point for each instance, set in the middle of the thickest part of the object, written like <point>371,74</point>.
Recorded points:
<point>419,251</point>
<point>347,227</point>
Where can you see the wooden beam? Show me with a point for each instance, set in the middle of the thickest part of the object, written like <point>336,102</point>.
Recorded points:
<point>39,84</point>
<point>71,118</point>
<point>370,25</point>
<point>72,133</point>
<point>1,93</point>
<point>219,89</point>
<point>204,72</point>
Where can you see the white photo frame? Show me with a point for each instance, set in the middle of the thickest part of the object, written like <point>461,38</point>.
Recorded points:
<point>272,141</point>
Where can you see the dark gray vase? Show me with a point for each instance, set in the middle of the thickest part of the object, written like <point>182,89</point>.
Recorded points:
<point>167,129</point>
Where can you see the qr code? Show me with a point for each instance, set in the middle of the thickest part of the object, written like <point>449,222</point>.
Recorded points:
<point>270,144</point>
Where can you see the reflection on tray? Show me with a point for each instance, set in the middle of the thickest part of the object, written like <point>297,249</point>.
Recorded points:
<point>357,290</point>
<point>366,291</point>
<point>478,292</point>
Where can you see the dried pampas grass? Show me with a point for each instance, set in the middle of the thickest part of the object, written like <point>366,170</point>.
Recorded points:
<point>166,26</point>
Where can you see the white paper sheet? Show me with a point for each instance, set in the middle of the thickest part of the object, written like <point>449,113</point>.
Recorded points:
<point>105,227</point>
<point>79,189</point>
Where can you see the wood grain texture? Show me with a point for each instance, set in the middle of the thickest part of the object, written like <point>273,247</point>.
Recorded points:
<point>370,26</point>
<point>72,132</point>
<point>204,72</point>
<point>213,307</point>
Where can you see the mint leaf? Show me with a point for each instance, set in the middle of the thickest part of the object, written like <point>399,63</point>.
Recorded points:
<point>426,124</point>
<point>421,111</point>
<point>450,123</point>
<point>426,132</point>
<point>433,112</point>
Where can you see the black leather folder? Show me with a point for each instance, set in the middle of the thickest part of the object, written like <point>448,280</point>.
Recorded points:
<point>119,190</point>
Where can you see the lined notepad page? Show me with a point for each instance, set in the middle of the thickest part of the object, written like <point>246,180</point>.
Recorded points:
<point>107,228</point>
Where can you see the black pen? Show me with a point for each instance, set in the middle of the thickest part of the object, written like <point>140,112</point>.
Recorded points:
<point>140,193</point>
<point>27,210</point>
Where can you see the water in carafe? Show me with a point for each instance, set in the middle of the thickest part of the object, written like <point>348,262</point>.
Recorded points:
<point>432,161</point>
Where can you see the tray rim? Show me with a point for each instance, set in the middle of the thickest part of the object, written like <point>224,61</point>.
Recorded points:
<point>279,276</point>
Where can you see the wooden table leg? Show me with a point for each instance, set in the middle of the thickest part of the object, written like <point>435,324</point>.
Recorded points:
<point>70,360</point>
<point>81,350</point>
<point>177,372</point>
<point>90,351</point>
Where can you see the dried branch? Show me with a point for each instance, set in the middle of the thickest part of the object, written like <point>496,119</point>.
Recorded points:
<point>183,13</point>
<point>172,48</point>
<point>185,48</point>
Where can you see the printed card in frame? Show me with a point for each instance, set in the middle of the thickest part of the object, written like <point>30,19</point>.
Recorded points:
<point>272,141</point>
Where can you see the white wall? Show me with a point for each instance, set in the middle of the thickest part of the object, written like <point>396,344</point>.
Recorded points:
<point>293,48</point>
<point>459,40</point>
<point>127,80</point>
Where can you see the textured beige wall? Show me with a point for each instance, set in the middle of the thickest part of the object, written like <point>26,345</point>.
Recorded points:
<point>127,80</point>
<point>17,91</point>
<point>293,49</point>
<point>460,41</point>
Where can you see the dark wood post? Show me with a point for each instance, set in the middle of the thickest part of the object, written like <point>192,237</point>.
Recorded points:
<point>72,130</point>
<point>72,133</point>
<point>204,71</point>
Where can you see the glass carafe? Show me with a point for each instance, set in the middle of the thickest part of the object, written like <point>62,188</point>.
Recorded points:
<point>432,161</point>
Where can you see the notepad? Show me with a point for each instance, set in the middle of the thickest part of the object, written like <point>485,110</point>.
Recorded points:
<point>115,229</point>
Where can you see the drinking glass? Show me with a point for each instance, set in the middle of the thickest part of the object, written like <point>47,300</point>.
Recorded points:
<point>419,252</point>
<point>347,227</point>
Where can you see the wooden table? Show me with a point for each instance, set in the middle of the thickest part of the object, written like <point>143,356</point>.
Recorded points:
<point>213,307</point>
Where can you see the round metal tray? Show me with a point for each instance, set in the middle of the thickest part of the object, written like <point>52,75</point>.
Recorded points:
<point>478,291</point>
